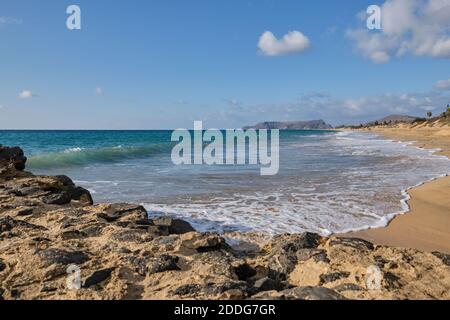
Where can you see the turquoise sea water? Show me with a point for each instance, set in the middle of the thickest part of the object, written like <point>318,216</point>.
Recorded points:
<point>328,181</point>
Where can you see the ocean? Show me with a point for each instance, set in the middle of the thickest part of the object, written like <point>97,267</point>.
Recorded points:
<point>328,181</point>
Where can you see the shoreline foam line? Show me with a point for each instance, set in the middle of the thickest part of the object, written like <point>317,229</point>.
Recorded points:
<point>405,192</point>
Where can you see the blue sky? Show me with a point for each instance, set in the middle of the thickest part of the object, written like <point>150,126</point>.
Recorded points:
<point>163,64</point>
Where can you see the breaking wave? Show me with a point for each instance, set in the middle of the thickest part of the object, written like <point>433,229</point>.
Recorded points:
<point>82,156</point>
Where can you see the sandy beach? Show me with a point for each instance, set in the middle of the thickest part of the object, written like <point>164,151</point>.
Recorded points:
<point>427,226</point>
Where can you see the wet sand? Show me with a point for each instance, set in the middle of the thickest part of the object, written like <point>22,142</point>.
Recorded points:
<point>427,225</point>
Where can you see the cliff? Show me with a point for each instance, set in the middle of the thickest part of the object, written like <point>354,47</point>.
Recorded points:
<point>51,232</point>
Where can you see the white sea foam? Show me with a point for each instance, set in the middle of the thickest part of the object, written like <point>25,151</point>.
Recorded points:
<point>71,150</point>
<point>328,183</point>
<point>339,207</point>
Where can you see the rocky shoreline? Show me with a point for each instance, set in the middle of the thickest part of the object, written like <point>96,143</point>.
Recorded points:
<point>49,227</point>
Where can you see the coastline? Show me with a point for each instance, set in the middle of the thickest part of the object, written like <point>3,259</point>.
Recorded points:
<point>48,226</point>
<point>426,225</point>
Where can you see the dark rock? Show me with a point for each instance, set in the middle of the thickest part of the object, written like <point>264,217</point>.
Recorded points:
<point>15,293</point>
<point>25,211</point>
<point>380,262</point>
<point>158,231</point>
<point>244,272</point>
<point>73,234</point>
<point>118,211</point>
<point>28,191</point>
<point>283,251</point>
<point>311,293</point>
<point>2,265</point>
<point>106,218</point>
<point>58,256</point>
<point>355,243</point>
<point>175,226</point>
<point>209,289</point>
<point>82,195</point>
<point>12,155</point>
<point>58,190</point>
<point>444,257</point>
<point>124,250</point>
<point>293,243</point>
<point>138,236</point>
<point>67,223</point>
<point>64,180</point>
<point>166,240</point>
<point>187,289</point>
<point>48,289</point>
<point>2,291</point>
<point>321,257</point>
<point>93,231</point>
<point>391,281</point>
<point>267,284</point>
<point>219,288</point>
<point>162,263</point>
<point>57,198</point>
<point>7,224</point>
<point>97,277</point>
<point>203,242</point>
<point>316,254</point>
<point>348,287</point>
<point>139,264</point>
<point>40,239</point>
<point>334,276</point>
<point>138,224</point>
<point>53,183</point>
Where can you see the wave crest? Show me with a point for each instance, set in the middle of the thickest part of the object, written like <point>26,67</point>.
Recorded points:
<point>82,156</point>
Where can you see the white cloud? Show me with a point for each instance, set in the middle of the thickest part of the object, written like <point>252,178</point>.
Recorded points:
<point>99,91</point>
<point>26,94</point>
<point>380,57</point>
<point>293,42</point>
<point>409,27</point>
<point>443,85</point>
<point>9,20</point>
<point>1,106</point>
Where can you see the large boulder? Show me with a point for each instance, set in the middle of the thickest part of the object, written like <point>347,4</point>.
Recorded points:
<point>63,257</point>
<point>283,251</point>
<point>194,242</point>
<point>97,277</point>
<point>175,226</point>
<point>57,190</point>
<point>122,212</point>
<point>12,155</point>
<point>8,223</point>
<point>62,189</point>
<point>163,263</point>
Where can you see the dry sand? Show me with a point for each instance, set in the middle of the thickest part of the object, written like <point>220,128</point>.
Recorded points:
<point>427,226</point>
